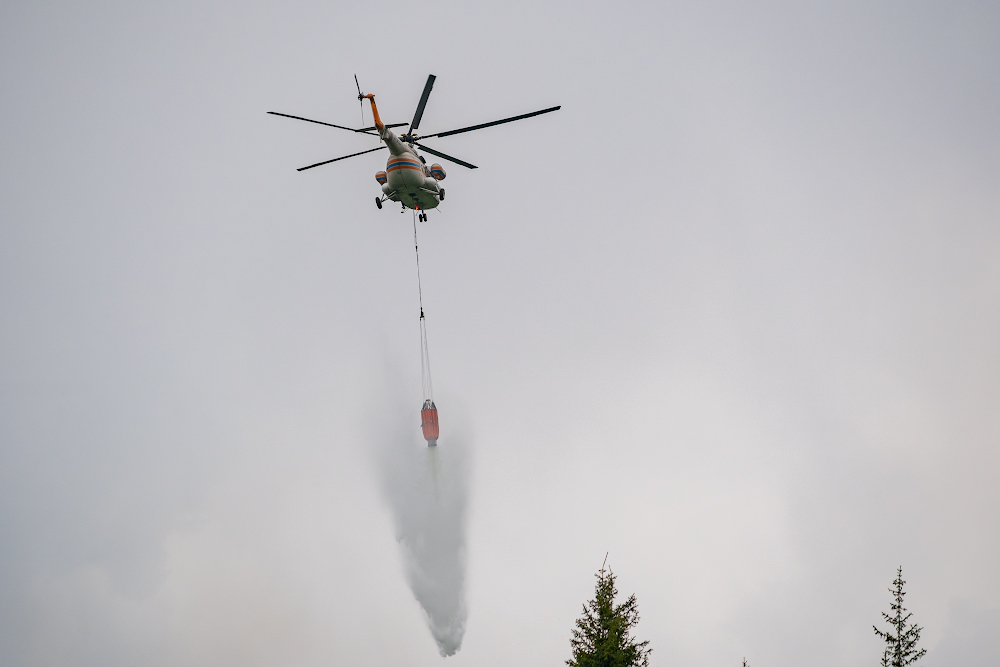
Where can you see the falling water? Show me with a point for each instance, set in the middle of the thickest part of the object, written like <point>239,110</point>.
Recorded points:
<point>426,488</point>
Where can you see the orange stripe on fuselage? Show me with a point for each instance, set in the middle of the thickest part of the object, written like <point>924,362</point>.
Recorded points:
<point>393,166</point>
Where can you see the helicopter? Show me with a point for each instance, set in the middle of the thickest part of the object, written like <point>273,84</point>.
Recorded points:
<point>407,179</point>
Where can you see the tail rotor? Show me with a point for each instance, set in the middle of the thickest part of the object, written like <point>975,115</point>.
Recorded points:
<point>361,100</point>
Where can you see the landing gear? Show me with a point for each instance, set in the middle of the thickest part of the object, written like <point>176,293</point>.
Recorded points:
<point>441,194</point>
<point>378,202</point>
<point>422,217</point>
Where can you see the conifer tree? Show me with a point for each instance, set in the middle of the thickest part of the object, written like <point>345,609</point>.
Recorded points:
<point>900,640</point>
<point>602,637</point>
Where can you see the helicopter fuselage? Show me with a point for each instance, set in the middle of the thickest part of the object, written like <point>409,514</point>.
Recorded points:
<point>408,179</point>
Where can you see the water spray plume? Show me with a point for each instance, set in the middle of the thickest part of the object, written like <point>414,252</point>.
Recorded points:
<point>426,489</point>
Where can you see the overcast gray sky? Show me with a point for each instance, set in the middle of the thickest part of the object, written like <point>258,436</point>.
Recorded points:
<point>731,315</point>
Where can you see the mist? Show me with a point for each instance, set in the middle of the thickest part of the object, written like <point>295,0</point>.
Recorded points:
<point>426,489</point>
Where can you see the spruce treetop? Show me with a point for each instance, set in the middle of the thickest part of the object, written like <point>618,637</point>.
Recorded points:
<point>900,641</point>
<point>603,635</point>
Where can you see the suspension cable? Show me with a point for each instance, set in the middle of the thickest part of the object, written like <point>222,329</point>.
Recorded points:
<point>425,359</point>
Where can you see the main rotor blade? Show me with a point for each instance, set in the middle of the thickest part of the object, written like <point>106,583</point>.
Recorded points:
<point>446,157</point>
<point>319,122</point>
<point>496,122</point>
<point>319,164</point>
<point>423,102</point>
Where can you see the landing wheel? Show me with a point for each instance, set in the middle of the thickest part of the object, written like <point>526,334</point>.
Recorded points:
<point>441,194</point>
<point>378,202</point>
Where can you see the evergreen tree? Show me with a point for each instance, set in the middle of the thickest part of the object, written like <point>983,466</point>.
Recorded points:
<point>900,641</point>
<point>602,637</point>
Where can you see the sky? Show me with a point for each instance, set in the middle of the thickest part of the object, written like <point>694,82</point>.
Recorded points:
<point>730,317</point>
